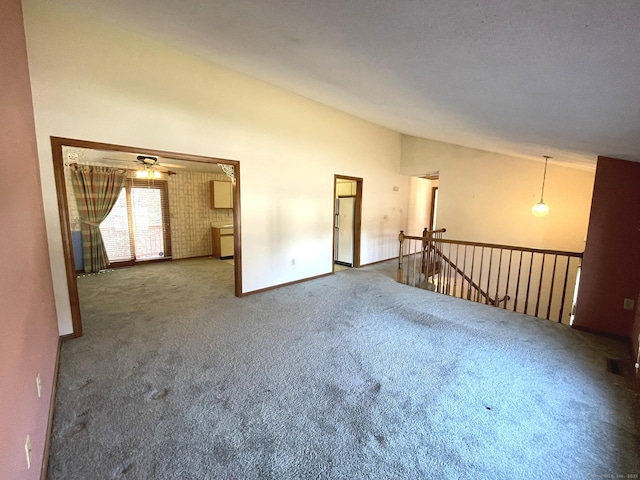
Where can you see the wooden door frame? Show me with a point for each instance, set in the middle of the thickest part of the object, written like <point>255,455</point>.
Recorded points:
<point>357,220</point>
<point>434,191</point>
<point>63,209</point>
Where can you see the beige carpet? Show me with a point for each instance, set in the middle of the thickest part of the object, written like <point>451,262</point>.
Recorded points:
<point>350,376</point>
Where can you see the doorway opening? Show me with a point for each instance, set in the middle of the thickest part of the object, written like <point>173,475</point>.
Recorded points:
<point>432,198</point>
<point>137,228</point>
<point>347,214</point>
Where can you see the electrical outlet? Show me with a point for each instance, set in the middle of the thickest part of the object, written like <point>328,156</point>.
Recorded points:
<point>628,304</point>
<point>27,451</point>
<point>39,385</point>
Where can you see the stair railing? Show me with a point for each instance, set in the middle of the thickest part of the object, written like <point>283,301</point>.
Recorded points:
<point>414,256</point>
<point>471,285</point>
<point>526,280</point>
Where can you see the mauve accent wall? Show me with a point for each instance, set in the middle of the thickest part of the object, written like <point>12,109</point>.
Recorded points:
<point>611,265</point>
<point>29,339</point>
<point>635,331</point>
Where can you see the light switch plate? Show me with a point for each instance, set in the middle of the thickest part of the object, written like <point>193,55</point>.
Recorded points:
<point>27,451</point>
<point>39,385</point>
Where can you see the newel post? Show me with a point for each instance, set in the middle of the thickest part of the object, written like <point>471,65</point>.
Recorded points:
<point>423,260</point>
<point>399,275</point>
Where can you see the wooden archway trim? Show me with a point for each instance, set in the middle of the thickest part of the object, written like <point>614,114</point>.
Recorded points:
<point>61,192</point>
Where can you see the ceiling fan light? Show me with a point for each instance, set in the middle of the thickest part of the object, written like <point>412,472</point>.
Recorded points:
<point>540,209</point>
<point>142,174</point>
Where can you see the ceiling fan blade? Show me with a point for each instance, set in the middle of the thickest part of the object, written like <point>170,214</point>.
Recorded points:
<point>171,165</point>
<point>118,160</point>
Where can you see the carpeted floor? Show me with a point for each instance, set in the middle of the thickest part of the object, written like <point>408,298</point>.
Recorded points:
<point>350,376</point>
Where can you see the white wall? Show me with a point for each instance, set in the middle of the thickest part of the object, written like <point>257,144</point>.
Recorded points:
<point>487,197</point>
<point>92,81</point>
<point>419,206</point>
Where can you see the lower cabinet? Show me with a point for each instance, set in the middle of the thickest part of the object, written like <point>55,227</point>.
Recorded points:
<point>222,240</point>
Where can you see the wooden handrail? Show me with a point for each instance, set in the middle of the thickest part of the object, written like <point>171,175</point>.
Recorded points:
<point>430,232</point>
<point>506,247</point>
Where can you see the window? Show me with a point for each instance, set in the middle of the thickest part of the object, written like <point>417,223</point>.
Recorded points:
<point>137,227</point>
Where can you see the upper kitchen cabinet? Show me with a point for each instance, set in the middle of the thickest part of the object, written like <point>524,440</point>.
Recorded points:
<point>221,194</point>
<point>346,189</point>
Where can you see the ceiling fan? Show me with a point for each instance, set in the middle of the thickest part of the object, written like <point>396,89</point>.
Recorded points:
<point>152,168</point>
<point>152,164</point>
<point>147,166</point>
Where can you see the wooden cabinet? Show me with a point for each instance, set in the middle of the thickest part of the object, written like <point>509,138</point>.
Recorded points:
<point>345,189</point>
<point>221,194</point>
<point>222,240</point>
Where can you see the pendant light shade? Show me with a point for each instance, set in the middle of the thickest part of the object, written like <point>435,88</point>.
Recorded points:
<point>540,209</point>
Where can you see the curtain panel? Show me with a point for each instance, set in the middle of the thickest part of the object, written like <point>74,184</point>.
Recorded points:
<point>96,190</point>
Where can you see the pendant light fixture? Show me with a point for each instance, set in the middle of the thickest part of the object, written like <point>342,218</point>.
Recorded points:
<point>540,209</point>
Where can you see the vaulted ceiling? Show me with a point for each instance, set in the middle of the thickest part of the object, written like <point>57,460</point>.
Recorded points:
<point>521,77</point>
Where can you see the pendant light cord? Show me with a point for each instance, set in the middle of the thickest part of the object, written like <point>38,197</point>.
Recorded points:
<point>544,177</point>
